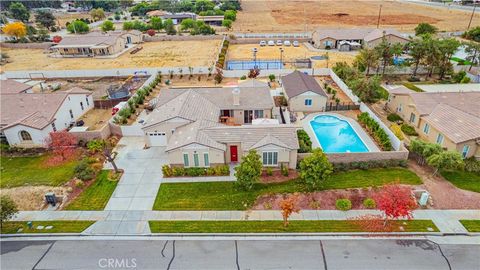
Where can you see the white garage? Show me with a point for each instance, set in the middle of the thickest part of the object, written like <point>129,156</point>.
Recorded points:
<point>157,138</point>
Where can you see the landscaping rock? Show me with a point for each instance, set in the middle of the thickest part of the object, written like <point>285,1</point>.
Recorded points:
<point>48,227</point>
<point>40,227</point>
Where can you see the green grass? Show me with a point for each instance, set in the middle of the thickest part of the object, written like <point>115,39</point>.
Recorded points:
<point>96,196</point>
<point>456,59</point>
<point>411,86</point>
<point>271,226</point>
<point>224,196</point>
<point>20,171</point>
<point>464,180</point>
<point>471,225</point>
<point>67,226</point>
<point>383,93</point>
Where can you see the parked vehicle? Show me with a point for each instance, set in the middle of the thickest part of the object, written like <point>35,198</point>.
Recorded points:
<point>295,43</point>
<point>263,43</point>
<point>271,43</point>
<point>287,43</point>
<point>279,42</point>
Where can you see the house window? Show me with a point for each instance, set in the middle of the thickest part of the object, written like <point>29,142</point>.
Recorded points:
<point>206,159</point>
<point>439,138</point>
<point>258,114</point>
<point>195,160</point>
<point>426,128</point>
<point>247,116</point>
<point>71,113</point>
<point>25,135</point>
<point>412,118</point>
<point>465,150</point>
<point>226,113</point>
<point>399,109</point>
<point>270,158</point>
<point>88,102</point>
<point>54,127</point>
<point>308,102</point>
<point>185,160</point>
<point>81,105</point>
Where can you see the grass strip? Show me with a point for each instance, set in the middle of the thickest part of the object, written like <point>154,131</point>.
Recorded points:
<point>472,225</point>
<point>64,226</point>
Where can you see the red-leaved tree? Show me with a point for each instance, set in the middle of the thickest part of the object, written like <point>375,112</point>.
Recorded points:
<point>63,145</point>
<point>151,32</point>
<point>395,201</point>
<point>288,206</point>
<point>57,39</point>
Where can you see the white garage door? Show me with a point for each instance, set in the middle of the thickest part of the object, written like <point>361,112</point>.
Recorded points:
<point>157,138</point>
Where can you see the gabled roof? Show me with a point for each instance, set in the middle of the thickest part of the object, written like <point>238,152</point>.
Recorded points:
<point>297,83</point>
<point>378,33</point>
<point>193,133</point>
<point>93,39</point>
<point>267,140</point>
<point>13,87</point>
<point>366,34</point>
<point>467,102</point>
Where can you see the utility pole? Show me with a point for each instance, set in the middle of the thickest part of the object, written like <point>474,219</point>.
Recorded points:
<point>379,14</point>
<point>473,13</point>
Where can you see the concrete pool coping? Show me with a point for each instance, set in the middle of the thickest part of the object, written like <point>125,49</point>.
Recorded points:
<point>367,141</point>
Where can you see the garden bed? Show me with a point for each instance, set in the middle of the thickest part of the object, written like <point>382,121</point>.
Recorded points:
<point>222,170</point>
<point>273,226</point>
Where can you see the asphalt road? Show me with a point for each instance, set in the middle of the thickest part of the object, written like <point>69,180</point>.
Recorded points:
<point>242,254</point>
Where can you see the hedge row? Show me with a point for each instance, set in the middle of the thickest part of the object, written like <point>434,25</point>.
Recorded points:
<point>221,170</point>
<point>375,130</point>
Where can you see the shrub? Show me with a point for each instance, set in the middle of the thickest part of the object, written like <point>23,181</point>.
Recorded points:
<point>409,130</point>
<point>271,77</point>
<point>304,141</point>
<point>83,171</point>
<point>363,165</point>
<point>393,117</point>
<point>8,208</point>
<point>244,77</point>
<point>193,172</point>
<point>396,129</point>
<point>79,183</point>
<point>343,204</point>
<point>284,170</point>
<point>210,171</point>
<point>315,169</point>
<point>178,171</point>
<point>369,203</point>
<point>167,171</point>
<point>472,165</point>
<point>95,146</point>
<point>269,171</point>
<point>374,128</point>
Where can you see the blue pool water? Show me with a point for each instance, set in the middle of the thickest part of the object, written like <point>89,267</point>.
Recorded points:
<point>336,135</point>
<point>246,65</point>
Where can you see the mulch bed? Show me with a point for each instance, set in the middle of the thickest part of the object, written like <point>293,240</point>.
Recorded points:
<point>277,176</point>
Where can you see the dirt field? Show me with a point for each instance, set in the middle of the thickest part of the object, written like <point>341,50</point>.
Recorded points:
<point>31,197</point>
<point>63,18</point>
<point>289,15</point>
<point>96,118</point>
<point>244,51</point>
<point>154,54</point>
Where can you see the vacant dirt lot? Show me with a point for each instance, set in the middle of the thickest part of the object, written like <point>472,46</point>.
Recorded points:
<point>288,15</point>
<point>244,51</point>
<point>154,54</point>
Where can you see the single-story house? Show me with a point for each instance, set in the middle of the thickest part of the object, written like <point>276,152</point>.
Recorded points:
<point>211,20</point>
<point>450,119</point>
<point>354,39</point>
<point>177,18</point>
<point>303,93</point>
<point>13,87</point>
<point>202,127</point>
<point>97,43</point>
<point>27,118</point>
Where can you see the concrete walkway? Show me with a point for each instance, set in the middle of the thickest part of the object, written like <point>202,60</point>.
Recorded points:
<point>136,222</point>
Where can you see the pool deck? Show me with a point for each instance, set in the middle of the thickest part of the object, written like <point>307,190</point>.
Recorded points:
<point>355,125</point>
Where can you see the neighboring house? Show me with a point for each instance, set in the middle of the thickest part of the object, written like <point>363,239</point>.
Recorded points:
<point>97,43</point>
<point>449,119</point>
<point>13,87</point>
<point>454,87</point>
<point>27,119</point>
<point>203,127</point>
<point>474,74</point>
<point>303,93</point>
<point>177,18</point>
<point>211,20</point>
<point>354,39</point>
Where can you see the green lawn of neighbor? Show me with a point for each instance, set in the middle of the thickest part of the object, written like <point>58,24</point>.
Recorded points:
<point>224,196</point>
<point>20,171</point>
<point>271,226</point>
<point>411,86</point>
<point>464,180</point>
<point>471,225</point>
<point>96,196</point>
<point>67,226</point>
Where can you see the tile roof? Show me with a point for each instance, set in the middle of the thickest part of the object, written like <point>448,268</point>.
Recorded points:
<point>297,83</point>
<point>397,89</point>
<point>467,102</point>
<point>33,110</point>
<point>93,39</point>
<point>13,87</point>
<point>193,133</point>
<point>367,34</point>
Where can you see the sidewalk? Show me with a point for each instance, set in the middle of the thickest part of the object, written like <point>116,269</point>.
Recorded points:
<point>136,222</point>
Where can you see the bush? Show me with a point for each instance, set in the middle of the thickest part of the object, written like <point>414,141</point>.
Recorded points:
<point>409,130</point>
<point>369,203</point>
<point>304,141</point>
<point>472,165</point>
<point>95,146</point>
<point>271,77</point>
<point>83,171</point>
<point>284,170</point>
<point>393,117</point>
<point>343,204</point>
<point>244,77</point>
<point>374,128</point>
<point>222,170</point>
<point>364,165</point>
<point>269,171</point>
<point>396,129</point>
<point>167,171</point>
<point>194,172</point>
<point>178,171</point>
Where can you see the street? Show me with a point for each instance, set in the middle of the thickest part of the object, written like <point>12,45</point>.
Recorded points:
<point>240,254</point>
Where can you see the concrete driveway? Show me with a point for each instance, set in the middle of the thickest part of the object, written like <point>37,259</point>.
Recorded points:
<point>136,190</point>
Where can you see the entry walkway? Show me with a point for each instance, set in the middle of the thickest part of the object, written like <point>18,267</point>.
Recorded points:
<point>122,222</point>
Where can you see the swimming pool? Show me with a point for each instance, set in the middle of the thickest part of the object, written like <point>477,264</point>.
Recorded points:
<point>336,135</point>
<point>246,65</point>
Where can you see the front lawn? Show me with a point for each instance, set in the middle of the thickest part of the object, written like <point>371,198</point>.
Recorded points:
<point>20,171</point>
<point>224,196</point>
<point>471,225</point>
<point>464,180</point>
<point>274,226</point>
<point>67,226</point>
<point>96,196</point>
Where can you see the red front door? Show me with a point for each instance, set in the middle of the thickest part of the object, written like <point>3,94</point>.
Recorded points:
<point>233,153</point>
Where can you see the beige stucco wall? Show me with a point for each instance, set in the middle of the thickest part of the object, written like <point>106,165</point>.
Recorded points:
<point>297,103</point>
<point>215,156</point>
<point>320,43</point>
<point>166,127</point>
<point>407,108</point>
<point>390,38</point>
<point>135,38</point>
<point>238,116</point>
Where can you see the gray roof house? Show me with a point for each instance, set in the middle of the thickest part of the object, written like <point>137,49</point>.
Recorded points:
<point>303,92</point>
<point>189,124</point>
